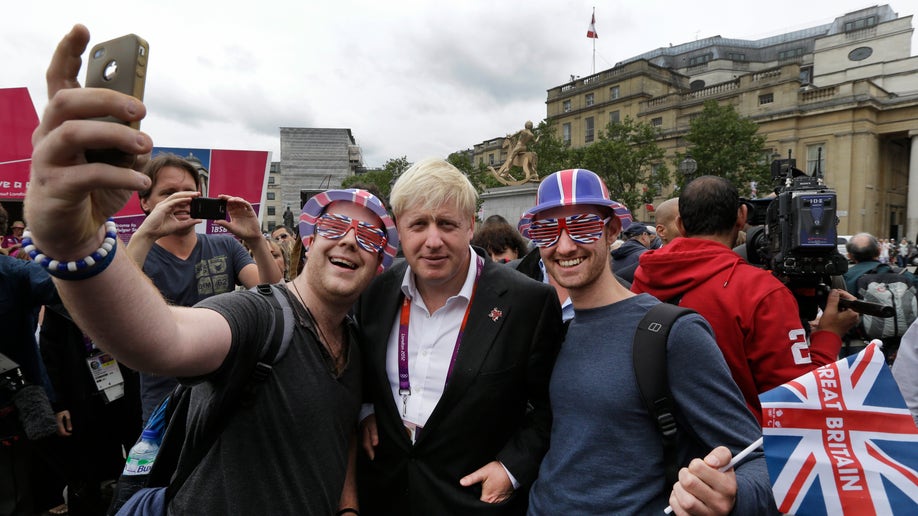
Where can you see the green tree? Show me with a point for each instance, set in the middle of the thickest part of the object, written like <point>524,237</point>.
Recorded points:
<point>479,175</point>
<point>629,160</point>
<point>728,145</point>
<point>553,154</point>
<point>382,179</point>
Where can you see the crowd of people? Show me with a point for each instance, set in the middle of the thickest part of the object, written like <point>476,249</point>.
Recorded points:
<point>433,368</point>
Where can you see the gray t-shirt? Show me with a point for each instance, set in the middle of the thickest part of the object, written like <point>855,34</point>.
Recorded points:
<point>212,268</point>
<point>287,454</point>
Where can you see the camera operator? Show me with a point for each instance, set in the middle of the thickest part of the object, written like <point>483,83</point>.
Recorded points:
<point>754,316</point>
<point>24,288</point>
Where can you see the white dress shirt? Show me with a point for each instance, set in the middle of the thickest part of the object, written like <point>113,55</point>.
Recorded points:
<point>431,340</point>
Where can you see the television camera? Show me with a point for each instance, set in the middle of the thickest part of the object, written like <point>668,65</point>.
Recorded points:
<point>795,236</point>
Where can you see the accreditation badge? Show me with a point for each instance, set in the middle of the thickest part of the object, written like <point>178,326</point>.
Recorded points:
<point>106,374</point>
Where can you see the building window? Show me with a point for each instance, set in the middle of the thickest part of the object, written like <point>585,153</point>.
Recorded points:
<point>271,226</point>
<point>271,211</point>
<point>816,155</point>
<point>806,75</point>
<point>567,106</point>
<point>657,122</point>
<point>767,98</point>
<point>481,160</point>
<point>735,56</point>
<point>863,23</point>
<point>589,99</point>
<point>270,196</point>
<point>784,55</point>
<point>566,134</point>
<point>700,60</point>
<point>270,180</point>
<point>614,92</point>
<point>860,53</point>
<point>614,117</point>
<point>491,159</point>
<point>588,130</point>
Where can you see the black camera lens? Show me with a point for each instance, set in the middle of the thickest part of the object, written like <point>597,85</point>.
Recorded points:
<point>98,53</point>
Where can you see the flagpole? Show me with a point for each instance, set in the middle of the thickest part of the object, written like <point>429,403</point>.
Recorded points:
<point>594,46</point>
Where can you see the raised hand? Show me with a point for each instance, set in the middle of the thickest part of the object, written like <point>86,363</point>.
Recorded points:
<point>69,198</point>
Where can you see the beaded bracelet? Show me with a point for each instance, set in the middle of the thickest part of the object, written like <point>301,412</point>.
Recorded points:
<point>80,269</point>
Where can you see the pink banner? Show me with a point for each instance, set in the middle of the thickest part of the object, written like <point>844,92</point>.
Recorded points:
<point>17,121</point>
<point>232,172</point>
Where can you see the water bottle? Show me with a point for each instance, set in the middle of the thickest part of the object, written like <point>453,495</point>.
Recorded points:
<point>143,454</point>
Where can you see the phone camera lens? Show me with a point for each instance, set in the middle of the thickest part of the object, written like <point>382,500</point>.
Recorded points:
<point>98,53</point>
<point>110,71</point>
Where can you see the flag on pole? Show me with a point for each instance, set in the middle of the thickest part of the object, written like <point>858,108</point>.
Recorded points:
<point>840,440</point>
<point>591,30</point>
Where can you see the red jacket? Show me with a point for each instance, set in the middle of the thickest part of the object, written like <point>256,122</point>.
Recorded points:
<point>754,316</point>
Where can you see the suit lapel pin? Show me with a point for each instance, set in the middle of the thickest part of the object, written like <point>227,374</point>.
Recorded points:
<point>495,314</point>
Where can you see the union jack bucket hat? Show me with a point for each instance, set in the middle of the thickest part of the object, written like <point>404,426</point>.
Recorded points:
<point>316,205</point>
<point>573,187</point>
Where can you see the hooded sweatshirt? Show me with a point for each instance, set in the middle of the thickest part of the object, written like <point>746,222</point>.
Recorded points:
<point>627,254</point>
<point>754,316</point>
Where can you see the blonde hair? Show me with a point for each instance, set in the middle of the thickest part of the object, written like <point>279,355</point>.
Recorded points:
<point>431,183</point>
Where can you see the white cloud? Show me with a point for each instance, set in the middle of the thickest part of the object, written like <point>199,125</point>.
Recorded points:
<point>411,78</point>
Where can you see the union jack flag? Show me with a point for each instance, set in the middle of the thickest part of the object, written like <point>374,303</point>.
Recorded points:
<point>840,440</point>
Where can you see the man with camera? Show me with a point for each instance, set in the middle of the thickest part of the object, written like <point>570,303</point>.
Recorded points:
<point>186,266</point>
<point>261,463</point>
<point>755,317</point>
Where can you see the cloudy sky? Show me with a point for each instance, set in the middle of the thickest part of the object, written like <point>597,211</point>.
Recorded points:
<point>408,77</point>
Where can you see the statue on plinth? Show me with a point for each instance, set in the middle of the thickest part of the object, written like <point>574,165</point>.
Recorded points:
<point>518,155</point>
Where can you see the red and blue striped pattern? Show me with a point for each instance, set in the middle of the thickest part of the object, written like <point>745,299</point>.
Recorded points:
<point>572,187</point>
<point>315,207</point>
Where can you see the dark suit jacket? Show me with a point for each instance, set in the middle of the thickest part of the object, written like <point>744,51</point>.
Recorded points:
<point>495,407</point>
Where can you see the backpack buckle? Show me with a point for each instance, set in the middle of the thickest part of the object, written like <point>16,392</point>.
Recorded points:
<point>261,372</point>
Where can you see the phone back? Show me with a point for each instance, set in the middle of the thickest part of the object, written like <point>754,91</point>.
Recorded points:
<point>121,65</point>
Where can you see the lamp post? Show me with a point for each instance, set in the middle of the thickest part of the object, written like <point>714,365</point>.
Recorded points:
<point>688,167</point>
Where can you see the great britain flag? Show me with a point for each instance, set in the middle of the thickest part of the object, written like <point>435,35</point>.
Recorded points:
<point>840,440</point>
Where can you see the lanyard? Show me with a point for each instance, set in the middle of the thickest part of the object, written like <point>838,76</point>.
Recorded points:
<point>404,383</point>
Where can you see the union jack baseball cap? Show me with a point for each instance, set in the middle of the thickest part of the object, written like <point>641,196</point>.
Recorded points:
<point>316,205</point>
<point>573,187</point>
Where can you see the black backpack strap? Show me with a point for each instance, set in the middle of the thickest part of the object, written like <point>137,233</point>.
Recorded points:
<point>650,370</point>
<point>281,334</point>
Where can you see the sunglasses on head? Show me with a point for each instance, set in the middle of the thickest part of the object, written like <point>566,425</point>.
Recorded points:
<point>584,228</point>
<point>334,226</point>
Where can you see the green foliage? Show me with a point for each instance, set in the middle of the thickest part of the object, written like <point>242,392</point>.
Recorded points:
<point>727,145</point>
<point>629,160</point>
<point>553,154</point>
<point>382,179</point>
<point>479,174</point>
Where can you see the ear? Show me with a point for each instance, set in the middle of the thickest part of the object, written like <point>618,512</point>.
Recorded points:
<point>613,229</point>
<point>144,206</point>
<point>680,225</point>
<point>742,213</point>
<point>307,244</point>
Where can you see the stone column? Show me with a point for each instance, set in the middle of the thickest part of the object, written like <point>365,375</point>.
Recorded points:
<point>912,226</point>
